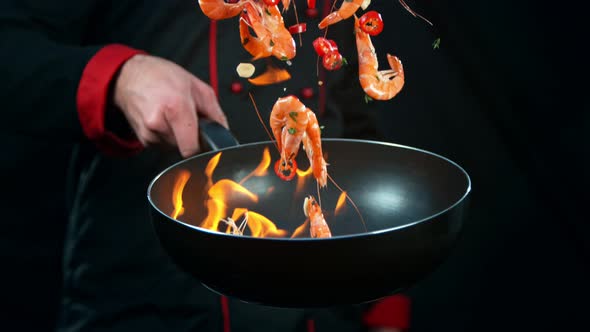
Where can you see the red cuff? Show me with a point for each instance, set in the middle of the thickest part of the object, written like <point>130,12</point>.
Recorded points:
<point>393,311</point>
<point>92,96</point>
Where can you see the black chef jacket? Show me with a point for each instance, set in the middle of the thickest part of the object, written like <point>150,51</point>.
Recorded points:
<point>114,274</point>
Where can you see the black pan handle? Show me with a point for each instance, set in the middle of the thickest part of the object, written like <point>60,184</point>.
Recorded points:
<point>215,136</point>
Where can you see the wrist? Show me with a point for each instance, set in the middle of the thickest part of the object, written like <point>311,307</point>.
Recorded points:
<point>114,119</point>
<point>123,78</point>
<point>95,105</point>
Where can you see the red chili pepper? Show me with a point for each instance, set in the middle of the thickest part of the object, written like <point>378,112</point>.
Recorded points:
<point>332,61</point>
<point>371,23</point>
<point>311,4</point>
<point>333,45</point>
<point>298,28</point>
<point>271,2</point>
<point>292,170</point>
<point>322,46</point>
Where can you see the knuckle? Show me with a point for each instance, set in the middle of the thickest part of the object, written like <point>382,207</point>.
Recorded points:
<point>154,123</point>
<point>212,94</point>
<point>188,151</point>
<point>147,137</point>
<point>209,93</point>
<point>173,106</point>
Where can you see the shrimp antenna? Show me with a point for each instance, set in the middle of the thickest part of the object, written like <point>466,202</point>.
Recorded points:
<point>350,200</point>
<point>317,64</point>
<point>405,5</point>
<point>318,191</point>
<point>297,21</point>
<point>262,122</point>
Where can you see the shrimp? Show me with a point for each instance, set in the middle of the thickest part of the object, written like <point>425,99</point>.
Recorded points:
<point>346,10</point>
<point>257,47</point>
<point>219,9</point>
<point>379,85</point>
<point>313,148</point>
<point>290,122</point>
<point>286,4</point>
<point>318,227</point>
<point>269,26</point>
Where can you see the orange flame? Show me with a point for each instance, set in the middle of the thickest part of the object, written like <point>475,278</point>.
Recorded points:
<point>340,203</point>
<point>301,173</point>
<point>211,165</point>
<point>217,212</point>
<point>177,193</point>
<point>272,75</point>
<point>238,212</point>
<point>224,187</point>
<point>262,168</point>
<point>260,226</point>
<point>225,190</point>
<point>217,206</point>
<point>301,177</point>
<point>299,230</point>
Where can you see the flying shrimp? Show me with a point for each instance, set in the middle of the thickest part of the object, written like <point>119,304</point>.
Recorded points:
<point>291,121</point>
<point>377,84</point>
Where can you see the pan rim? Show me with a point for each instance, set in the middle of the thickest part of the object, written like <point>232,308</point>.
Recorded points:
<point>335,237</point>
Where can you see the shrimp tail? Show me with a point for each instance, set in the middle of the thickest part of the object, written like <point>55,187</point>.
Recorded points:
<point>346,10</point>
<point>219,9</point>
<point>379,85</point>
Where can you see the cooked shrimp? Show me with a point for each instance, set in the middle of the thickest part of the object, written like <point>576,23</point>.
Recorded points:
<point>346,10</point>
<point>290,122</point>
<point>318,227</point>
<point>219,9</point>
<point>286,4</point>
<point>312,145</point>
<point>269,26</point>
<point>257,47</point>
<point>379,85</point>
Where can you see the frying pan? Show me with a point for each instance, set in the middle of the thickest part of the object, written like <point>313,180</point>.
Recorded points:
<point>412,203</point>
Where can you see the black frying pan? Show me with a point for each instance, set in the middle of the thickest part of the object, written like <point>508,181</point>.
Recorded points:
<point>412,202</point>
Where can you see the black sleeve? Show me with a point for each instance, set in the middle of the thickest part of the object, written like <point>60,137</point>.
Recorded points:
<point>41,63</point>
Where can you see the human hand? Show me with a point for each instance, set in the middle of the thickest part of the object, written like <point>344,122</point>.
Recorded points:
<point>162,103</point>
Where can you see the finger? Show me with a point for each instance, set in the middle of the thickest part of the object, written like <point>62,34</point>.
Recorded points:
<point>182,119</point>
<point>156,130</point>
<point>207,103</point>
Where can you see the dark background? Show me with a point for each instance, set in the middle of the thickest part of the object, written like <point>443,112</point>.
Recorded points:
<point>503,97</point>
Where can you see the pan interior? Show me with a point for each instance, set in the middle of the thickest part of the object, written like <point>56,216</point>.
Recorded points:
<point>391,186</point>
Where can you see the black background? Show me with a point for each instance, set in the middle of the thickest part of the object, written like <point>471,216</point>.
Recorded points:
<point>501,96</point>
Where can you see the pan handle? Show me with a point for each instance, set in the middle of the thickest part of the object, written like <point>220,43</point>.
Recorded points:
<point>215,136</point>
